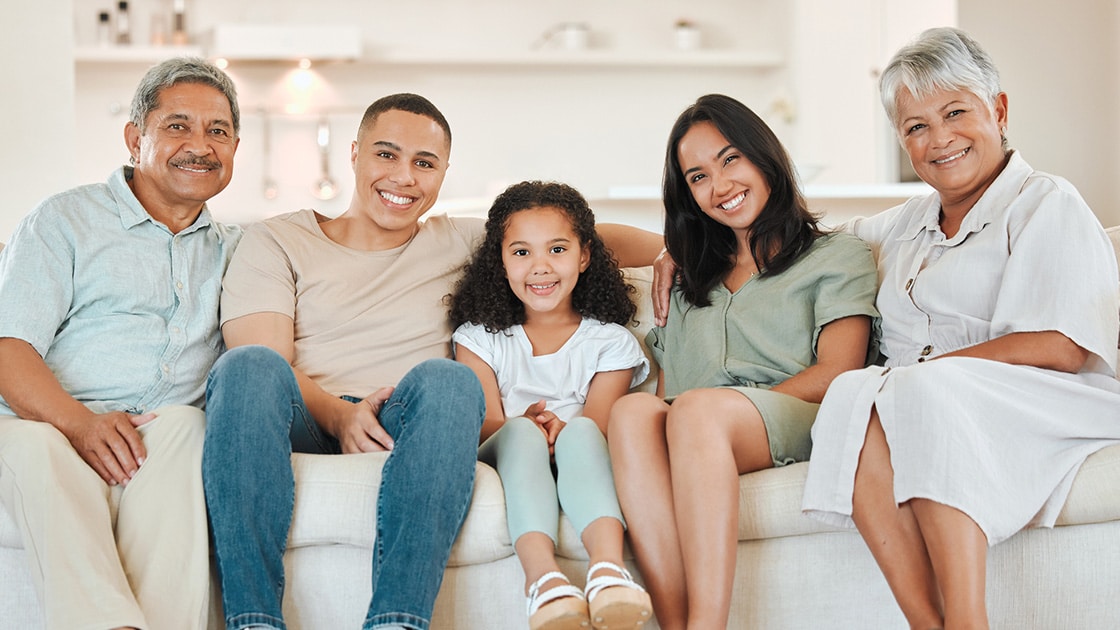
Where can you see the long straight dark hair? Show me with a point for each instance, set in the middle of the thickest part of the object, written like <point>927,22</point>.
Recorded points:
<point>705,249</point>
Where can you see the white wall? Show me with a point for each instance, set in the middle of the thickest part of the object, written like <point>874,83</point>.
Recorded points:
<point>1060,66</point>
<point>37,111</point>
<point>596,128</point>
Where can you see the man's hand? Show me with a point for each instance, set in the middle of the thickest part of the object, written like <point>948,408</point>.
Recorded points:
<point>110,444</point>
<point>362,431</point>
<point>546,421</point>
<point>664,275</point>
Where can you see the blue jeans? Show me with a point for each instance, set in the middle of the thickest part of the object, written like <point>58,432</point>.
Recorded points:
<point>256,417</point>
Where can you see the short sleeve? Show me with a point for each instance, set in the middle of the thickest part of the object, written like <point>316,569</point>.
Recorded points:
<point>847,284</point>
<point>475,338</point>
<point>623,352</point>
<point>1060,275</point>
<point>38,257</point>
<point>260,278</point>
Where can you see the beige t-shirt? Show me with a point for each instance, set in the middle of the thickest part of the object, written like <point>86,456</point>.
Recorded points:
<point>362,319</point>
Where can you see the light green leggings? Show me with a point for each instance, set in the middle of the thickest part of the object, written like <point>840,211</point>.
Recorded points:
<point>583,485</point>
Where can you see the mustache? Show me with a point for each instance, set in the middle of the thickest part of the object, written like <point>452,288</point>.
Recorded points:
<point>198,162</point>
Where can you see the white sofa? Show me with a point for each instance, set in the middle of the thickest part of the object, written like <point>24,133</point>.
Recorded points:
<point>792,572</point>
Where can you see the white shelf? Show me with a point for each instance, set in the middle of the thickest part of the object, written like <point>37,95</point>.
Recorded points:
<point>496,60</point>
<point>586,58</point>
<point>132,54</point>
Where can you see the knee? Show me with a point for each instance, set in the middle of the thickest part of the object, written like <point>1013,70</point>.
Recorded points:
<point>523,432</point>
<point>578,430</point>
<point>631,414</point>
<point>448,385</point>
<point>242,363</point>
<point>698,415</point>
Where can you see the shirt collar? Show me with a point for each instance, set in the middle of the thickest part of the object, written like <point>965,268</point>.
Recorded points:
<point>991,204</point>
<point>132,213</point>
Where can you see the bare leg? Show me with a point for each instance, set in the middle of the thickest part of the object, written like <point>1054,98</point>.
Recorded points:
<point>892,533</point>
<point>714,435</point>
<point>958,550</point>
<point>537,554</point>
<point>640,459</point>
<point>603,541</point>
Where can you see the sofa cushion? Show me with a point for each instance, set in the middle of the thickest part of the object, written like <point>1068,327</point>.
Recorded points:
<point>326,482</point>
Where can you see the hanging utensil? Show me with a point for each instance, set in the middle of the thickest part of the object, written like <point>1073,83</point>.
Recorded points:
<point>268,184</point>
<point>325,188</point>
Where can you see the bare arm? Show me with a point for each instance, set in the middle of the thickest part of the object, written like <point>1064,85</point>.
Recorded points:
<point>605,389</point>
<point>631,246</point>
<point>841,346</point>
<point>495,413</point>
<point>1048,349</point>
<point>354,425</point>
<point>109,442</point>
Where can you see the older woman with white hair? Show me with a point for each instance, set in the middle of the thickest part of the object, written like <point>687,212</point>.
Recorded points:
<point>999,298</point>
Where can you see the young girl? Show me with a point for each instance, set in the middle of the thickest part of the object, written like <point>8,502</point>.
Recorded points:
<point>541,311</point>
<point>767,311</point>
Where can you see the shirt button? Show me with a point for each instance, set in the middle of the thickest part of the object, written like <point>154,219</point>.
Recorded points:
<point>165,368</point>
<point>926,350</point>
<point>178,285</point>
<point>175,329</point>
<point>921,359</point>
<point>909,283</point>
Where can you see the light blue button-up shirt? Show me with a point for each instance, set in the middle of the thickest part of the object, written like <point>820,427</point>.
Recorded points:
<point>124,312</point>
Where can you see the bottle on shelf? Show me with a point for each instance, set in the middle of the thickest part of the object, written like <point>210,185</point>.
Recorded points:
<point>179,23</point>
<point>124,24</point>
<point>104,29</point>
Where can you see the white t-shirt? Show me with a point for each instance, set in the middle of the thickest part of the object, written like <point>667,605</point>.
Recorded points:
<point>562,378</point>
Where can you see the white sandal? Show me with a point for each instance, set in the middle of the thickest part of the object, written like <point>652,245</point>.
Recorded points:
<point>569,613</point>
<point>612,607</point>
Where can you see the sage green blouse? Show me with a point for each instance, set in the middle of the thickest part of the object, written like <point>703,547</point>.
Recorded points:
<point>766,331</point>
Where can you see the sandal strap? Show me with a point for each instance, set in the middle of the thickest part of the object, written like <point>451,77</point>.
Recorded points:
<point>536,599</point>
<point>595,585</point>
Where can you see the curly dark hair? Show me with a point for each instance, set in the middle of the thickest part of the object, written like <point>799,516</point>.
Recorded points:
<point>483,296</point>
<point>705,249</point>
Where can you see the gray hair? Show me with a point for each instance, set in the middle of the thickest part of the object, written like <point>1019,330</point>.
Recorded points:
<point>181,70</point>
<point>939,59</point>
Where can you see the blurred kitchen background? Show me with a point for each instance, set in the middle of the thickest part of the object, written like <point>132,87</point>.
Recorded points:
<point>581,91</point>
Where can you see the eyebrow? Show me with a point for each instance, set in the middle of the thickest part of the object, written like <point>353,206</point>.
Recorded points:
<point>394,146</point>
<point>718,155</point>
<point>944,107</point>
<point>561,239</point>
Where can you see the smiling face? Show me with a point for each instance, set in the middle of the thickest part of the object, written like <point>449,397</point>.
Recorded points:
<point>184,154</point>
<point>399,164</point>
<point>727,186</point>
<point>543,258</point>
<point>955,142</point>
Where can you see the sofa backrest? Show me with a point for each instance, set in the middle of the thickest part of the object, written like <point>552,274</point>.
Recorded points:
<point>642,279</point>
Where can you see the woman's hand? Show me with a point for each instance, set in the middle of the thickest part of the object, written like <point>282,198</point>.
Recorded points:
<point>664,275</point>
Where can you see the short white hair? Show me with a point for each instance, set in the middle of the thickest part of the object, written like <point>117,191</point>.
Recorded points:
<point>939,59</point>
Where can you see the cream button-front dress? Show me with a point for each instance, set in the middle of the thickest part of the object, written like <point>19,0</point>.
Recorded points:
<point>1000,442</point>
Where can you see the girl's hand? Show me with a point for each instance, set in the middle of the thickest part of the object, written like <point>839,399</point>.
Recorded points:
<point>547,421</point>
